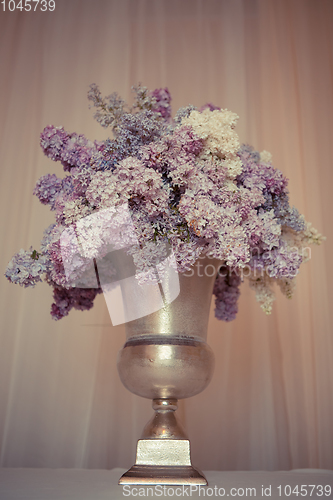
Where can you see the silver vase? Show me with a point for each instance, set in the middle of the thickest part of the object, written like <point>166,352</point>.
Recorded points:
<point>166,358</point>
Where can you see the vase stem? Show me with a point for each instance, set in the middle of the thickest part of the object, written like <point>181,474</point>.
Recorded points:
<point>164,424</point>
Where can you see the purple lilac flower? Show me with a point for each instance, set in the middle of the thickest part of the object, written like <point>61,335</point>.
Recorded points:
<point>72,150</point>
<point>67,185</point>
<point>106,158</point>
<point>131,182</point>
<point>282,261</point>
<point>137,130</point>
<point>134,131</point>
<point>175,156</point>
<point>163,100</point>
<point>56,192</point>
<point>258,174</point>
<point>26,268</point>
<point>78,152</point>
<point>80,181</point>
<point>109,108</point>
<point>285,214</point>
<point>57,272</point>
<point>226,291</point>
<point>67,299</point>
<point>51,234</point>
<point>209,106</point>
<point>184,112</point>
<point>143,99</point>
<point>248,152</point>
<point>53,140</point>
<point>47,189</point>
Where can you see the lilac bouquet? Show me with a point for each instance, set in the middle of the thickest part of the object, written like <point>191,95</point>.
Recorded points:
<point>187,182</point>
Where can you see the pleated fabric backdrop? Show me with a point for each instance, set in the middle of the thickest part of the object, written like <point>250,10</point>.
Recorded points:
<point>270,404</point>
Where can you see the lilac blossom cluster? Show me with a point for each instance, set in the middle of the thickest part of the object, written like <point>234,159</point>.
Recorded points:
<point>81,299</point>
<point>226,291</point>
<point>188,183</point>
<point>26,268</point>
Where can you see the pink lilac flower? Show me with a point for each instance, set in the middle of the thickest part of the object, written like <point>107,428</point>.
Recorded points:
<point>131,182</point>
<point>209,106</point>
<point>257,174</point>
<point>72,150</point>
<point>163,100</point>
<point>53,140</point>
<point>57,272</point>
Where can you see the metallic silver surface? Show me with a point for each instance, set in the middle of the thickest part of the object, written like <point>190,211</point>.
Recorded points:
<point>164,425</point>
<point>157,474</point>
<point>165,359</point>
<point>166,371</point>
<point>188,314</point>
<point>165,461</point>
<point>166,452</point>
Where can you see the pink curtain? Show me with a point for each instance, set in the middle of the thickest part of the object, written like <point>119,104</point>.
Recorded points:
<point>270,404</point>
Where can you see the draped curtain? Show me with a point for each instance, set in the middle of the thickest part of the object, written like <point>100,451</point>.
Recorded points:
<point>270,403</point>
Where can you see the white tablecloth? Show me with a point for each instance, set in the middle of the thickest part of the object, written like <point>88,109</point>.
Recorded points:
<point>87,484</point>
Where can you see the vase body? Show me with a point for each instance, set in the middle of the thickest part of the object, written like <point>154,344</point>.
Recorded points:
<point>166,358</point>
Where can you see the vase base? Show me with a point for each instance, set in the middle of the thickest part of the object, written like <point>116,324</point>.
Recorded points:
<point>163,461</point>
<point>157,474</point>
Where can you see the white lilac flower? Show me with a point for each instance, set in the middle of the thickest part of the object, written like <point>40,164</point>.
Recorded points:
<point>287,286</point>
<point>262,286</point>
<point>265,156</point>
<point>216,128</point>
